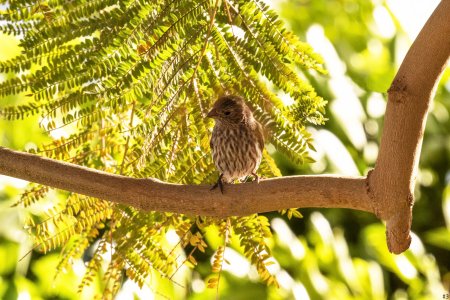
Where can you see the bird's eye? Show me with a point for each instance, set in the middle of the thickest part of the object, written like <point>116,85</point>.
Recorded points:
<point>227,113</point>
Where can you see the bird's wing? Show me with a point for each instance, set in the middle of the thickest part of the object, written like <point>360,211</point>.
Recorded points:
<point>211,144</point>
<point>259,132</point>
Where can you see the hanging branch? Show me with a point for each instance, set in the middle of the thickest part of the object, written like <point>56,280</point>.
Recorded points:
<point>387,191</point>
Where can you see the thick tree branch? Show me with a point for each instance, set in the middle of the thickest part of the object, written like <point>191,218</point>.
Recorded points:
<point>387,191</point>
<point>392,182</point>
<point>152,194</point>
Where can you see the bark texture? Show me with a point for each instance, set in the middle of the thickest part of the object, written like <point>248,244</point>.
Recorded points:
<point>154,195</point>
<point>387,191</point>
<point>409,97</point>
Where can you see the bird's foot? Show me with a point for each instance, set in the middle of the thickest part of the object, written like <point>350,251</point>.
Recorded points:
<point>256,177</point>
<point>219,184</point>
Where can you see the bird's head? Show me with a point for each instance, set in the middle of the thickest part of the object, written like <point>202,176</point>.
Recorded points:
<point>230,109</point>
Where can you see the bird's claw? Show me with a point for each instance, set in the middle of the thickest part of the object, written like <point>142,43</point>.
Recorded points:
<point>256,177</point>
<point>219,184</point>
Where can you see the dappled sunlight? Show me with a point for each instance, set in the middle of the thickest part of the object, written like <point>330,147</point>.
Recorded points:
<point>348,110</point>
<point>335,151</point>
<point>446,205</point>
<point>237,264</point>
<point>322,226</point>
<point>405,267</point>
<point>412,16</point>
<point>287,238</point>
<point>345,104</point>
<point>384,23</point>
<point>376,105</point>
<point>130,290</point>
<point>13,182</point>
<point>345,263</point>
<point>375,273</point>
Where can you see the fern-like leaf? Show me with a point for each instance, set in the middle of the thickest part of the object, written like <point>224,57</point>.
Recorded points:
<point>124,86</point>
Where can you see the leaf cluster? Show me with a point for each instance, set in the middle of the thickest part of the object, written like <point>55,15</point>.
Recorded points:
<point>124,86</point>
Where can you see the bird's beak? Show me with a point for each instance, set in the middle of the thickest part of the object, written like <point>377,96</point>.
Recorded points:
<point>212,113</point>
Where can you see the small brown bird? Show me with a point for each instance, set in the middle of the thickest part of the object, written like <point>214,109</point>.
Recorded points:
<point>237,140</point>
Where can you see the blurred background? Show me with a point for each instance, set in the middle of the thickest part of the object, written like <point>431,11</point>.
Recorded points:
<point>330,253</point>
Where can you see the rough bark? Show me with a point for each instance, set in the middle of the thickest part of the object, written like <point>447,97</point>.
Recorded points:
<point>387,191</point>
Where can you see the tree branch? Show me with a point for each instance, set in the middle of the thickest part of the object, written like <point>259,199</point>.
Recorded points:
<point>413,88</point>
<point>154,195</point>
<point>387,191</point>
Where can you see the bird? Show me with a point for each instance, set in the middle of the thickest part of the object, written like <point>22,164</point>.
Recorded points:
<point>237,140</point>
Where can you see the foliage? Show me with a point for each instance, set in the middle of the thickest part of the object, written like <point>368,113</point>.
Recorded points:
<point>312,258</point>
<point>123,86</point>
<point>362,52</point>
